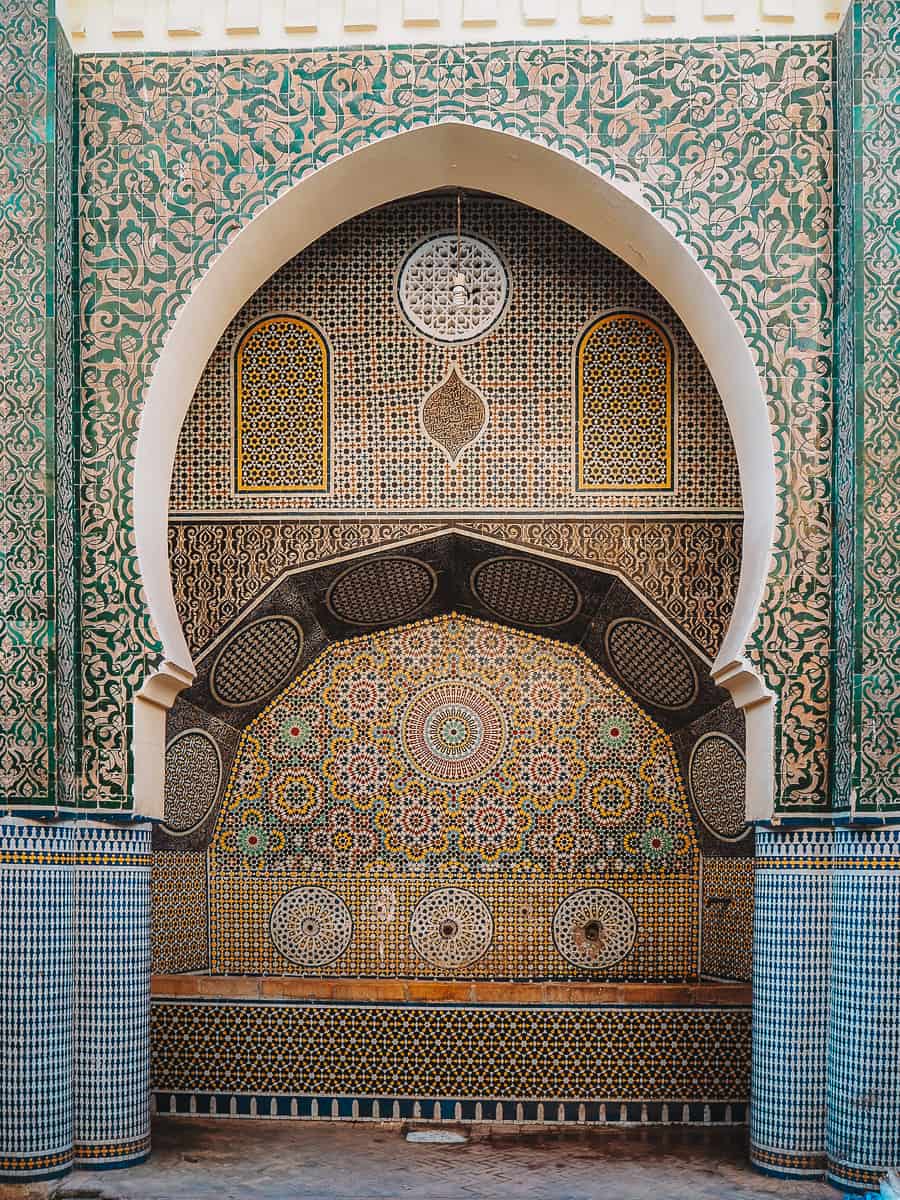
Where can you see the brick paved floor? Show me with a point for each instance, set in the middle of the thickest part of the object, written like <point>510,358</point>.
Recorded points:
<point>294,1160</point>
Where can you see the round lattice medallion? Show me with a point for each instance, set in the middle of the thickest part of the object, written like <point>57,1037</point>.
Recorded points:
<point>311,926</point>
<point>453,291</point>
<point>525,591</point>
<point>594,928</point>
<point>717,776</point>
<point>383,590</point>
<point>256,661</point>
<point>451,928</point>
<point>453,731</point>
<point>650,663</point>
<point>193,775</point>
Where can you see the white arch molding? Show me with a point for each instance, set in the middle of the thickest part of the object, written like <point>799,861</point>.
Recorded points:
<point>452,154</point>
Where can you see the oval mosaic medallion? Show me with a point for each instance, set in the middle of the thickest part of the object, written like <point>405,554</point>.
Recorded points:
<point>451,928</point>
<point>382,590</point>
<point>193,775</point>
<point>453,731</point>
<point>717,779</point>
<point>525,591</point>
<point>594,928</point>
<point>453,290</point>
<point>311,926</point>
<point>256,661</point>
<point>651,663</point>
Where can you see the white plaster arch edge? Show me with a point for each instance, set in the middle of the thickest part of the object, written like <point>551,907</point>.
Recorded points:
<point>452,154</point>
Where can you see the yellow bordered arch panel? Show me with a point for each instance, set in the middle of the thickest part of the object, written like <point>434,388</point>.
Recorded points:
<point>625,405</point>
<point>282,407</point>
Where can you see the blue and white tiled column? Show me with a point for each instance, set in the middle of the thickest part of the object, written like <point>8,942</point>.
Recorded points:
<point>864,1028</point>
<point>36,986</point>
<point>790,1001</point>
<point>112,995</point>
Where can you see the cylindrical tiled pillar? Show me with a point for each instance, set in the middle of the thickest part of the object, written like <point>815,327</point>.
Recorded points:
<point>36,923</point>
<point>864,1028</point>
<point>790,1001</point>
<point>112,995</point>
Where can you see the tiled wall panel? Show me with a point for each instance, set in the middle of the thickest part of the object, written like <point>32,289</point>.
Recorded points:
<point>179,912</point>
<point>335,1060</point>
<point>454,799</point>
<point>867,546</point>
<point>66,553</point>
<point>383,367</point>
<point>864,1024</point>
<point>111,995</point>
<point>727,936</point>
<point>37,900</point>
<point>790,1001</point>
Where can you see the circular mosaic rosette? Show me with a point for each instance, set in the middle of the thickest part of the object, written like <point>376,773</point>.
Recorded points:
<point>193,774</point>
<point>453,731</point>
<point>594,928</point>
<point>718,781</point>
<point>428,296</point>
<point>311,926</point>
<point>451,928</point>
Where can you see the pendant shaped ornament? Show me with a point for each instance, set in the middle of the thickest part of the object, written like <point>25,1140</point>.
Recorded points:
<point>454,414</point>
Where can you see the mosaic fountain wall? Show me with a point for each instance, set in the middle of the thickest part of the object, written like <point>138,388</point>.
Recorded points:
<point>453,582</point>
<point>734,143</point>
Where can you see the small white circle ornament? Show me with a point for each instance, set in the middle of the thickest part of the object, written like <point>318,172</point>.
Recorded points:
<point>453,290</point>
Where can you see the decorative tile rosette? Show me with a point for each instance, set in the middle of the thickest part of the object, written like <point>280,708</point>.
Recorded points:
<point>594,928</point>
<point>454,740</point>
<point>311,926</point>
<point>451,928</point>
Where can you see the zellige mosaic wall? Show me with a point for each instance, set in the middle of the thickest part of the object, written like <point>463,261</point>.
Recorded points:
<point>453,798</point>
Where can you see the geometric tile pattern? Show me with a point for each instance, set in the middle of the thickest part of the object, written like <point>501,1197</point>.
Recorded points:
<point>594,928</point>
<point>380,592</point>
<point>179,932</point>
<point>790,1002</point>
<point>112,995</point>
<point>717,782</point>
<point>311,926</point>
<point>624,405</point>
<point>255,661</point>
<point>485,1053</point>
<point>727,934</point>
<point>454,743</point>
<point>525,591</point>
<point>36,913</point>
<point>281,416</point>
<point>651,663</point>
<point>863,1136</point>
<point>616,108</point>
<point>245,557</point>
<point>382,370</point>
<point>193,775</point>
<point>453,750</point>
<point>381,907</point>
